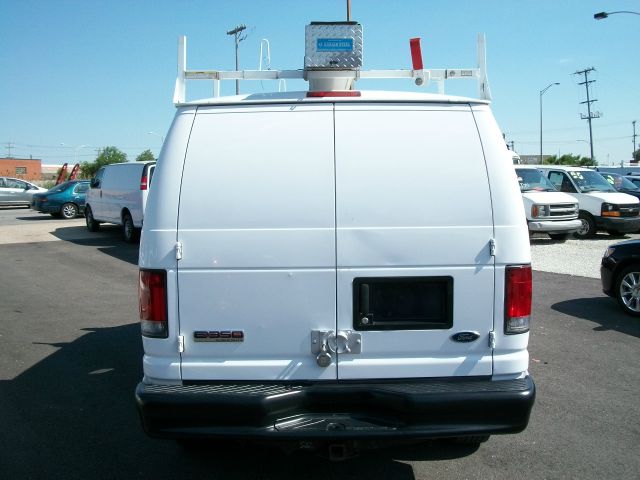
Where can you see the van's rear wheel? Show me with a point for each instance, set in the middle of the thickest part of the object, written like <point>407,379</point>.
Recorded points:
<point>92,224</point>
<point>588,227</point>
<point>129,231</point>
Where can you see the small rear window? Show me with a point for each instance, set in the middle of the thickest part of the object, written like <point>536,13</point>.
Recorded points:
<point>406,303</point>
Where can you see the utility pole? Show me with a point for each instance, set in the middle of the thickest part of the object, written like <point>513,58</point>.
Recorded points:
<point>237,39</point>
<point>634,140</point>
<point>589,101</point>
<point>9,149</point>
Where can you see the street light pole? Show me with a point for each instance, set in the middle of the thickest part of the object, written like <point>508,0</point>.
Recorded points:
<point>75,153</point>
<point>237,39</point>
<point>541,94</point>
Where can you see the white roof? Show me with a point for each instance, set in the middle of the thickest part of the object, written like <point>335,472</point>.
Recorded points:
<point>365,96</point>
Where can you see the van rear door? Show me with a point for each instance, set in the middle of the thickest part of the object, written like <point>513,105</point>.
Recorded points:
<point>414,227</point>
<point>257,229</point>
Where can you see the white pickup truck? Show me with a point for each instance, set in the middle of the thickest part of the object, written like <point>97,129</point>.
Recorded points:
<point>548,210</point>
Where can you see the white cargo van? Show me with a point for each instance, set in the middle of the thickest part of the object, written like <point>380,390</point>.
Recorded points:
<point>547,210</point>
<point>331,288</point>
<point>601,205</point>
<point>118,194</point>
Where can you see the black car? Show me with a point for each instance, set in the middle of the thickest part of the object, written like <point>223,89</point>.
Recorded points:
<point>635,179</point>
<point>620,275</point>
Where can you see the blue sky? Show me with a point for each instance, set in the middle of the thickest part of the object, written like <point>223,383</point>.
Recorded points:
<point>92,73</point>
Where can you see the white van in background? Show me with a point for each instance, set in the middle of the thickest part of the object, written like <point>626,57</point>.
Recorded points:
<point>118,194</point>
<point>548,210</point>
<point>330,290</point>
<point>602,207</point>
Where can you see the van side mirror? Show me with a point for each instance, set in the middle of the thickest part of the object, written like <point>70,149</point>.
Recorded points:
<point>95,183</point>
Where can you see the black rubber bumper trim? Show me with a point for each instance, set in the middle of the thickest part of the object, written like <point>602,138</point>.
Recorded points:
<point>368,409</point>
<point>619,224</point>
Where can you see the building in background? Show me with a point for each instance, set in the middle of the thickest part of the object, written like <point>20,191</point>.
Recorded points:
<point>50,172</point>
<point>24,168</point>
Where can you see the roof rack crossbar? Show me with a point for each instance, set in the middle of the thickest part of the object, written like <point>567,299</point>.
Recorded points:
<point>421,77</point>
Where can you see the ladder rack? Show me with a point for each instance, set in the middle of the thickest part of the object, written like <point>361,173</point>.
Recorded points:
<point>320,79</point>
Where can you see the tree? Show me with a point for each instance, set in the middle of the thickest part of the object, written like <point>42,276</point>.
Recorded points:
<point>570,159</point>
<point>107,156</point>
<point>636,156</point>
<point>146,156</point>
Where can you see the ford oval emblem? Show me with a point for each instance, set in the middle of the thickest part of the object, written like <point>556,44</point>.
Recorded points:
<point>465,337</point>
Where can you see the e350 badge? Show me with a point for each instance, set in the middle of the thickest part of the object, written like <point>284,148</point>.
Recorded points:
<point>218,336</point>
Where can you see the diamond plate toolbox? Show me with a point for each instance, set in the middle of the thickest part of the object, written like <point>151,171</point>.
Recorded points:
<point>333,46</point>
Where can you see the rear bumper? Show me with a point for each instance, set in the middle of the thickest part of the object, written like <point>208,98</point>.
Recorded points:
<point>419,408</point>
<point>45,208</point>
<point>619,224</point>
<point>607,275</point>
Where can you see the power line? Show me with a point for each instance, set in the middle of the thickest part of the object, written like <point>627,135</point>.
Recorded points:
<point>565,129</point>
<point>605,139</point>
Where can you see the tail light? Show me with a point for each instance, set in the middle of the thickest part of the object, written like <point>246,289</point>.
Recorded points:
<point>517,307</point>
<point>144,183</point>
<point>152,301</point>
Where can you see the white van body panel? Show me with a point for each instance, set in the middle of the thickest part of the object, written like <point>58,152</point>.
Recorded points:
<point>511,236</point>
<point>510,227</point>
<point>162,209</point>
<point>388,225</point>
<point>264,232</point>
<point>289,245</point>
<point>120,190</point>
<point>162,361</point>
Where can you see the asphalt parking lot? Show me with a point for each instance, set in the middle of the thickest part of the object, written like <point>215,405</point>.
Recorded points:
<point>70,357</point>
